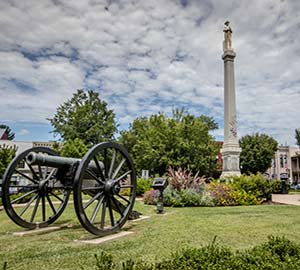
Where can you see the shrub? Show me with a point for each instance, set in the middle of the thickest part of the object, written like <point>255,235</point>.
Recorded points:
<point>150,197</point>
<point>221,193</point>
<point>226,194</point>
<point>276,186</point>
<point>7,153</point>
<point>184,197</point>
<point>276,254</point>
<point>257,185</point>
<point>184,179</point>
<point>104,261</point>
<point>143,185</point>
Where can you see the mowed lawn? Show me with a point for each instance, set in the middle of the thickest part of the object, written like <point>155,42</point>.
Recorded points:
<point>160,235</point>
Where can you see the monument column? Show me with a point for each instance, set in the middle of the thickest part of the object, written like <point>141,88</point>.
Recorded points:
<point>230,150</point>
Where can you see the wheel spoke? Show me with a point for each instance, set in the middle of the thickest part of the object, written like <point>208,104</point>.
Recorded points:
<point>28,204</point>
<point>120,196</point>
<point>96,210</point>
<point>122,176</point>
<point>99,169</point>
<point>45,172</point>
<point>44,208</point>
<point>111,215</point>
<point>91,188</point>
<point>35,209</point>
<point>126,186</point>
<point>117,204</point>
<point>23,196</point>
<point>105,163</point>
<point>23,186</point>
<point>32,170</point>
<point>56,196</point>
<point>92,200</point>
<point>118,168</point>
<point>103,214</point>
<point>51,173</point>
<point>91,174</point>
<point>112,164</point>
<point>26,176</point>
<point>40,172</point>
<point>51,204</point>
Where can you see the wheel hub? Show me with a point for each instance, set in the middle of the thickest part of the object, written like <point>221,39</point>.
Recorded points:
<point>111,187</point>
<point>43,187</point>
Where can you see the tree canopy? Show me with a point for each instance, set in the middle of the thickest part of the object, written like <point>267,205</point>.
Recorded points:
<point>182,140</point>
<point>73,148</point>
<point>257,153</point>
<point>86,117</point>
<point>7,153</point>
<point>10,134</point>
<point>297,136</point>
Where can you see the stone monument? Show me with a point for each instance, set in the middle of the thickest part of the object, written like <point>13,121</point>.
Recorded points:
<point>230,150</point>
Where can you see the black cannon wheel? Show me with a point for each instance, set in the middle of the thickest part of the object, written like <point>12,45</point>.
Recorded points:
<point>32,195</point>
<point>104,188</point>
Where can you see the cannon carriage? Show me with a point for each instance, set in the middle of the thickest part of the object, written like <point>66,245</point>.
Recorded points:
<point>37,185</point>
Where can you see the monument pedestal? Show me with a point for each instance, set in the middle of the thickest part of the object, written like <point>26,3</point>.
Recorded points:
<point>231,160</point>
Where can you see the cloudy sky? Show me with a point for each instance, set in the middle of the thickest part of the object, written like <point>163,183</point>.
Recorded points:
<point>151,56</point>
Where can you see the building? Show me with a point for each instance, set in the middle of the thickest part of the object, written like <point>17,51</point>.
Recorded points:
<point>22,146</point>
<point>3,134</point>
<point>295,160</point>
<point>285,164</point>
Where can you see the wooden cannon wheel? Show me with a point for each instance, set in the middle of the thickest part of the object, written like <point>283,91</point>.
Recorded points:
<point>33,196</point>
<point>104,188</point>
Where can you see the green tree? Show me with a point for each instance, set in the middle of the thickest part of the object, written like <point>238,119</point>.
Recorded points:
<point>10,134</point>
<point>74,148</point>
<point>182,140</point>
<point>257,153</point>
<point>86,117</point>
<point>7,153</point>
<point>297,136</point>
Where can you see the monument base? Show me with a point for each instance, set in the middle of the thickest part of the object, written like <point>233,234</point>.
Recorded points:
<point>231,160</point>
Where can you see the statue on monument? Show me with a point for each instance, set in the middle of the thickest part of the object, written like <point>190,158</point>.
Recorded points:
<point>227,36</point>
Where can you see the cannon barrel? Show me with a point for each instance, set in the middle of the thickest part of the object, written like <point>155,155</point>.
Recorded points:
<point>52,161</point>
<point>56,161</point>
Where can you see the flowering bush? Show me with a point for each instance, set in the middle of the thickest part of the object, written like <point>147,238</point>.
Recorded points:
<point>187,190</point>
<point>184,179</point>
<point>257,185</point>
<point>226,194</point>
<point>150,197</point>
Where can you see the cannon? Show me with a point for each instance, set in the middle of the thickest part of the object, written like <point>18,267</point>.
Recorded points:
<point>38,182</point>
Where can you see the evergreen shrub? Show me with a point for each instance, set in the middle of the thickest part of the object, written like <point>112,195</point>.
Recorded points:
<point>276,254</point>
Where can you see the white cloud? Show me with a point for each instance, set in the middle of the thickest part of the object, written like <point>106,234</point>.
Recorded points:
<point>150,56</point>
<point>23,132</point>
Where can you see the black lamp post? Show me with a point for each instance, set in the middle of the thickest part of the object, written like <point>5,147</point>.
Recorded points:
<point>160,184</point>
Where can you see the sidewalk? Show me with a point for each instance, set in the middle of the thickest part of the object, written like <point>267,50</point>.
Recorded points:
<point>292,199</point>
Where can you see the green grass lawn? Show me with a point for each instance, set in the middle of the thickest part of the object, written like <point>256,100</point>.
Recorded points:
<point>236,227</point>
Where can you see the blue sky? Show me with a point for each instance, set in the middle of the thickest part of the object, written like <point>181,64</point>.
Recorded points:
<point>145,57</point>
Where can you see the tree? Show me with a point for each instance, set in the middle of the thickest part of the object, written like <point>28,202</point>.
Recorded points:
<point>7,153</point>
<point>74,148</point>
<point>182,140</point>
<point>297,136</point>
<point>86,117</point>
<point>257,153</point>
<point>10,134</point>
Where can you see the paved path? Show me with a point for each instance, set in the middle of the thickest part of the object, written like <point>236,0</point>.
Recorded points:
<point>293,199</point>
